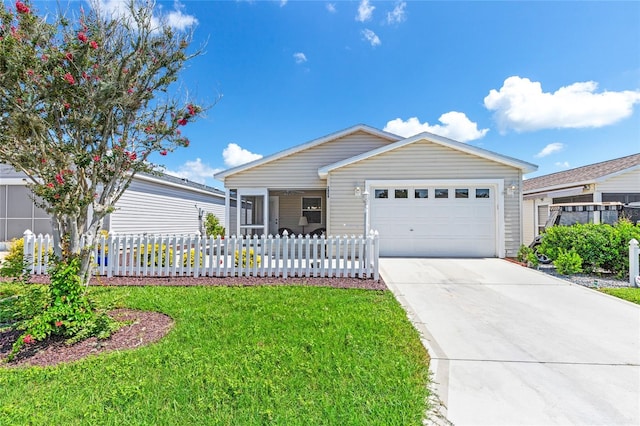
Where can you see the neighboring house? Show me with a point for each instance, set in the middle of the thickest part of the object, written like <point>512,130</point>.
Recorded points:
<point>613,180</point>
<point>426,195</point>
<point>152,204</point>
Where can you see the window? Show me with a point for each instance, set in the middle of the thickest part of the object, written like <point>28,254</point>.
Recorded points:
<point>462,193</point>
<point>312,209</point>
<point>441,193</point>
<point>402,193</point>
<point>421,193</point>
<point>482,193</point>
<point>382,193</point>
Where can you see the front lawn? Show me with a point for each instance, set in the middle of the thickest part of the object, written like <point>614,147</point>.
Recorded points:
<point>240,355</point>
<point>632,294</point>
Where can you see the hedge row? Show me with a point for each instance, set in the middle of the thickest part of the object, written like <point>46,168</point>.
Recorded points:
<point>600,246</point>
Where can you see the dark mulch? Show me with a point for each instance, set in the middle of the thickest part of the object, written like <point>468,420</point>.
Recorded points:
<point>142,329</point>
<point>343,282</point>
<point>145,327</point>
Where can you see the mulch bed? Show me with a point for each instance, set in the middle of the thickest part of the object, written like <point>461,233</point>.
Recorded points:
<point>142,329</point>
<point>343,282</point>
<point>145,327</point>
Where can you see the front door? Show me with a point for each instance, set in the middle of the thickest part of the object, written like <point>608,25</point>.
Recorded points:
<point>274,214</point>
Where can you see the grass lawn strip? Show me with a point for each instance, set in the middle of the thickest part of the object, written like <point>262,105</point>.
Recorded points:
<point>632,294</point>
<point>240,355</point>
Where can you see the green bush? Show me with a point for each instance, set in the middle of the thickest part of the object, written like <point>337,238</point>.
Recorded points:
<point>600,246</point>
<point>14,265</point>
<point>61,308</point>
<point>619,242</point>
<point>212,226</point>
<point>523,253</point>
<point>568,262</point>
<point>527,255</point>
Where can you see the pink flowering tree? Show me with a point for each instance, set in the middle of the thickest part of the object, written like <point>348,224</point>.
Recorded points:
<point>84,103</point>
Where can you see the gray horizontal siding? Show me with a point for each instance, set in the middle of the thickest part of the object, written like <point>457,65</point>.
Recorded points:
<point>421,160</point>
<point>145,207</point>
<point>148,207</point>
<point>300,170</point>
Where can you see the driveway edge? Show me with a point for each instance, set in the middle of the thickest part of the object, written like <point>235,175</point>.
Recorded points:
<point>438,363</point>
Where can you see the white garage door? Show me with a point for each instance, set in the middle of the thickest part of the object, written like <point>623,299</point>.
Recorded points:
<point>433,221</point>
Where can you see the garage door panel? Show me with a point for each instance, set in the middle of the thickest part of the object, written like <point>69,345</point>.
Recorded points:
<point>436,227</point>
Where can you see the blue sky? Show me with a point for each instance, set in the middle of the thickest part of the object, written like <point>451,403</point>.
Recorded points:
<point>556,84</point>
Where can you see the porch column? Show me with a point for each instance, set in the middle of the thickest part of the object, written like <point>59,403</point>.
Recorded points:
<point>265,214</point>
<point>227,211</point>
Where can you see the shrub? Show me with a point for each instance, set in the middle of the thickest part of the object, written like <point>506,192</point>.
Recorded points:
<point>192,255</point>
<point>568,262</point>
<point>212,226</point>
<point>523,253</point>
<point>252,257</point>
<point>527,255</point>
<point>532,260</point>
<point>155,253</point>
<point>625,231</point>
<point>14,266</point>
<point>60,309</point>
<point>600,246</point>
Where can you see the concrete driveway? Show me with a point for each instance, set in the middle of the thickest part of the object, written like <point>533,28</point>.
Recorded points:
<point>511,345</point>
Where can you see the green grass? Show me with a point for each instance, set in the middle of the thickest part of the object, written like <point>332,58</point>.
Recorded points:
<point>632,294</point>
<point>240,356</point>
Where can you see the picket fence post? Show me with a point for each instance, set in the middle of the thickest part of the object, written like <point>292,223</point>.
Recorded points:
<point>634,273</point>
<point>28,249</point>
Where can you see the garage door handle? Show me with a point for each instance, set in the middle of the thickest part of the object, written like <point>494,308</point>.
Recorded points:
<point>411,229</point>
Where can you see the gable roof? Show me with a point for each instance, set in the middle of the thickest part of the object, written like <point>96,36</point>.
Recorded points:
<point>330,137</point>
<point>582,175</point>
<point>439,140</point>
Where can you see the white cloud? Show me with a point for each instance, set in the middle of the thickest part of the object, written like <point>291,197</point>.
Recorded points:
<point>283,3</point>
<point>331,7</point>
<point>234,155</point>
<point>520,104</point>
<point>175,18</point>
<point>455,125</point>
<point>550,149</point>
<point>563,165</point>
<point>300,57</point>
<point>371,37</point>
<point>365,11</point>
<point>398,14</point>
<point>195,171</point>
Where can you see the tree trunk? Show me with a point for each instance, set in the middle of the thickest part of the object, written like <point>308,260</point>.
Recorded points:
<point>76,237</point>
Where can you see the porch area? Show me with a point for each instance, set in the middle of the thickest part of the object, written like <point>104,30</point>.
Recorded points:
<point>278,212</point>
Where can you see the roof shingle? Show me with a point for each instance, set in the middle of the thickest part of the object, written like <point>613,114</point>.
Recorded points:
<point>581,174</point>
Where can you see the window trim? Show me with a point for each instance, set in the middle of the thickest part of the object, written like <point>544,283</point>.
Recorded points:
<point>303,210</point>
<point>461,191</point>
<point>380,190</point>
<point>395,193</point>
<point>415,190</point>
<point>438,196</point>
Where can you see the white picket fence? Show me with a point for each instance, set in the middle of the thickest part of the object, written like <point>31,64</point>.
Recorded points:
<point>192,255</point>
